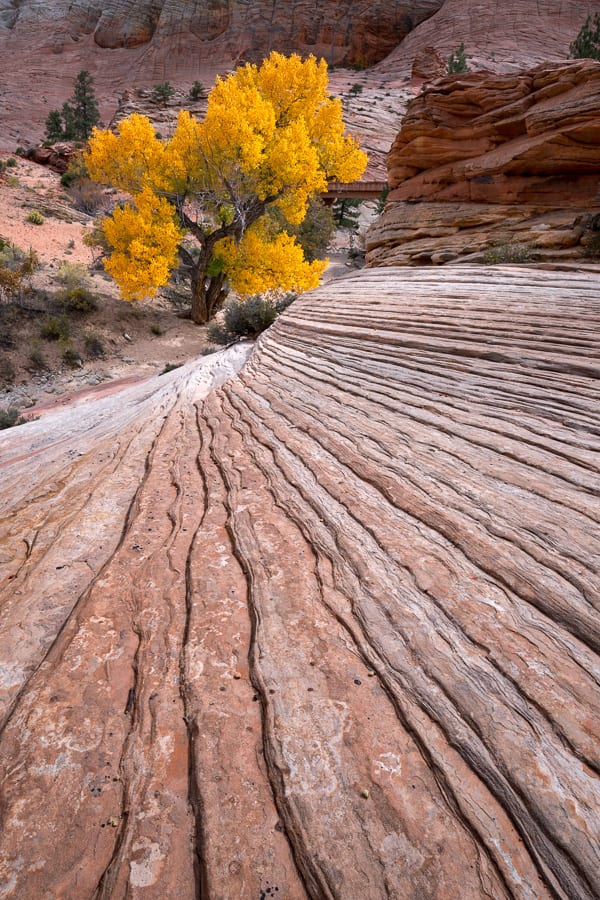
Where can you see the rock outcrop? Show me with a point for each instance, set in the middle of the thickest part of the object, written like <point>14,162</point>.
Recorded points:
<point>330,630</point>
<point>485,159</point>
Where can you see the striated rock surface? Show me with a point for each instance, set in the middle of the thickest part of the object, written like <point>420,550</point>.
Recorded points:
<point>139,44</point>
<point>483,159</point>
<point>330,630</point>
<point>503,37</point>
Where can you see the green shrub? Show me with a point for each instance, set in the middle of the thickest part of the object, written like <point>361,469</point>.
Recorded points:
<point>163,92</point>
<point>247,318</point>
<point>196,91</point>
<point>457,61</point>
<point>356,89</point>
<point>170,367</point>
<point>55,328</point>
<point>11,162</point>
<point>10,417</point>
<point>156,329</point>
<point>75,295</point>
<point>35,217</point>
<point>510,252</point>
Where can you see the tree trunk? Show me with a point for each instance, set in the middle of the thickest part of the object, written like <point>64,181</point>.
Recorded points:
<point>208,295</point>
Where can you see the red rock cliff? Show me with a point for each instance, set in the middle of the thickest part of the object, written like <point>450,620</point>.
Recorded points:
<point>485,158</point>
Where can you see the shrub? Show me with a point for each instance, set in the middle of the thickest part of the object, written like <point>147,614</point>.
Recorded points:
<point>37,361</point>
<point>247,318</point>
<point>170,367</point>
<point>77,300</point>
<point>10,417</point>
<point>55,328</point>
<point>356,89</point>
<point>509,252</point>
<point>587,43</point>
<point>75,295</point>
<point>457,61</point>
<point>88,197</point>
<point>196,91</point>
<point>156,329</point>
<point>35,217</point>
<point>16,271</point>
<point>163,92</point>
<point>94,347</point>
<point>11,162</point>
<point>69,354</point>
<point>76,171</point>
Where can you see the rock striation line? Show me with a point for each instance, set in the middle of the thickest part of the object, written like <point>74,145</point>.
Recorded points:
<point>330,630</point>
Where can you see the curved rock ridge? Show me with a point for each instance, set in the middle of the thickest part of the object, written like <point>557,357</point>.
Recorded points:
<point>483,158</point>
<point>330,630</point>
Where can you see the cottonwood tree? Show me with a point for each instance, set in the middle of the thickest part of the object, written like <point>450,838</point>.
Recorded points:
<point>271,139</point>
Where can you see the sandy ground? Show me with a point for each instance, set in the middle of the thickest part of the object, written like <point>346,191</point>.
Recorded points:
<point>139,339</point>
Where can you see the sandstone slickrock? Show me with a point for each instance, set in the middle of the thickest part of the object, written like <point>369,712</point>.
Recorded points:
<point>483,159</point>
<point>330,629</point>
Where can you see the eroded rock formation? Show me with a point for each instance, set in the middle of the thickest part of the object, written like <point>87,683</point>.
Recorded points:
<point>485,159</point>
<point>330,630</point>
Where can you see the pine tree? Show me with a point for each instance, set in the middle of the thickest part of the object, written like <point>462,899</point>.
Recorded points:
<point>54,127</point>
<point>587,43</point>
<point>457,61</point>
<point>347,213</point>
<point>84,106</point>
<point>78,116</point>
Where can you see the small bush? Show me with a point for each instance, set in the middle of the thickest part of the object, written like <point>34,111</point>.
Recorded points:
<point>196,91</point>
<point>69,354</point>
<point>88,197</point>
<point>11,162</point>
<point>356,89</point>
<point>35,217</point>
<point>246,318</point>
<point>10,417</point>
<point>77,300</point>
<point>457,61</point>
<point>37,361</point>
<point>510,252</point>
<point>156,329</point>
<point>55,328</point>
<point>94,347</point>
<point>170,367</point>
<point>163,92</point>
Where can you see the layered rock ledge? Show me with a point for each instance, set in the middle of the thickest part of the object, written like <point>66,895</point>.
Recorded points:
<point>484,160</point>
<point>329,630</point>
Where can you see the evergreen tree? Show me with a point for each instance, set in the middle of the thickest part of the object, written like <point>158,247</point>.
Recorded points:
<point>78,116</point>
<point>54,127</point>
<point>347,213</point>
<point>587,43</point>
<point>84,106</point>
<point>457,61</point>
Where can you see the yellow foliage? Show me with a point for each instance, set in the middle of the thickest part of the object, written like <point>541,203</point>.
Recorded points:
<point>262,263</point>
<point>144,239</point>
<point>271,137</point>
